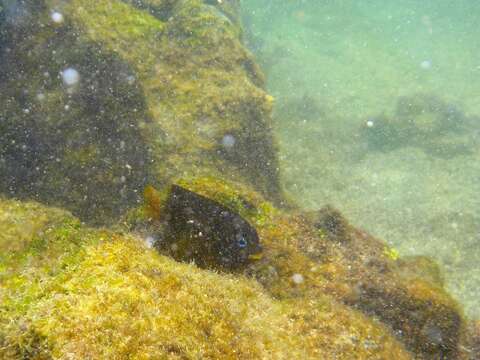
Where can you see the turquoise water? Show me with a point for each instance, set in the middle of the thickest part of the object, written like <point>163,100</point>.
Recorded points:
<point>377,108</point>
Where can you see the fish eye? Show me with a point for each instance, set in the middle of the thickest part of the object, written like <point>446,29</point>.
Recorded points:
<point>242,242</point>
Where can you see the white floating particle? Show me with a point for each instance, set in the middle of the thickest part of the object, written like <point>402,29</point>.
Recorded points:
<point>70,76</point>
<point>228,141</point>
<point>426,64</point>
<point>57,17</point>
<point>130,79</point>
<point>297,278</point>
<point>149,241</point>
<point>370,123</point>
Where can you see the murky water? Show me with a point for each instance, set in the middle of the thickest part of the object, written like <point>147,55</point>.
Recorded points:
<point>179,179</point>
<point>378,112</point>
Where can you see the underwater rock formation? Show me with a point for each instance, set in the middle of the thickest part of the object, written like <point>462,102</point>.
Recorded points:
<point>70,291</point>
<point>121,94</point>
<point>155,97</point>
<point>307,256</point>
<point>422,121</point>
<point>113,295</point>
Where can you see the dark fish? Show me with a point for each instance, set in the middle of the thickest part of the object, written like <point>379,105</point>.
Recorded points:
<point>206,232</point>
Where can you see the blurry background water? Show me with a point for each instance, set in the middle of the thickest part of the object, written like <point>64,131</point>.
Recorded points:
<point>378,113</point>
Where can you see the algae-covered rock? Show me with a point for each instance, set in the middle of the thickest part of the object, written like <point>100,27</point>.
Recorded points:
<point>306,256</point>
<point>415,305</point>
<point>424,121</point>
<point>68,143</point>
<point>67,289</point>
<point>73,292</point>
<point>160,88</point>
<point>472,348</point>
<point>422,267</point>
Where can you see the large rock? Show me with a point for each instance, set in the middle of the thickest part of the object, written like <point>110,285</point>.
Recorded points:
<point>308,256</point>
<point>158,89</point>
<point>438,128</point>
<point>71,292</point>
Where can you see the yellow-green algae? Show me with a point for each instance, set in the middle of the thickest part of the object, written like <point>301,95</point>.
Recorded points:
<point>72,292</point>
<point>200,84</point>
<point>160,91</point>
<point>334,258</point>
<point>68,146</point>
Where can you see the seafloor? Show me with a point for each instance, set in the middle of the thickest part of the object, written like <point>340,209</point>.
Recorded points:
<point>337,70</point>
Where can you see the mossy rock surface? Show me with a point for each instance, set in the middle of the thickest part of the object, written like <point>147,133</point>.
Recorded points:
<point>306,256</point>
<point>439,128</point>
<point>161,85</point>
<point>332,257</point>
<point>73,291</point>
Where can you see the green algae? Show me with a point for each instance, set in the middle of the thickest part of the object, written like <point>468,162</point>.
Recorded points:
<point>332,257</point>
<point>132,34</point>
<point>94,293</point>
<point>48,150</point>
<point>159,66</point>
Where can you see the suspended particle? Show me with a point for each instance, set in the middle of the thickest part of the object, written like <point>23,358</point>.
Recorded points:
<point>57,17</point>
<point>228,141</point>
<point>297,278</point>
<point>150,241</point>
<point>70,76</point>
<point>426,64</point>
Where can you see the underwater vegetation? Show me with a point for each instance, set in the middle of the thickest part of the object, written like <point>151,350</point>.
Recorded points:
<point>424,121</point>
<point>68,291</point>
<point>131,110</point>
<point>144,304</point>
<point>214,260</point>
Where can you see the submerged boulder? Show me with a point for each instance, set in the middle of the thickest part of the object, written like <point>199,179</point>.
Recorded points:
<point>118,94</point>
<point>72,292</point>
<point>307,256</point>
<point>424,121</point>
